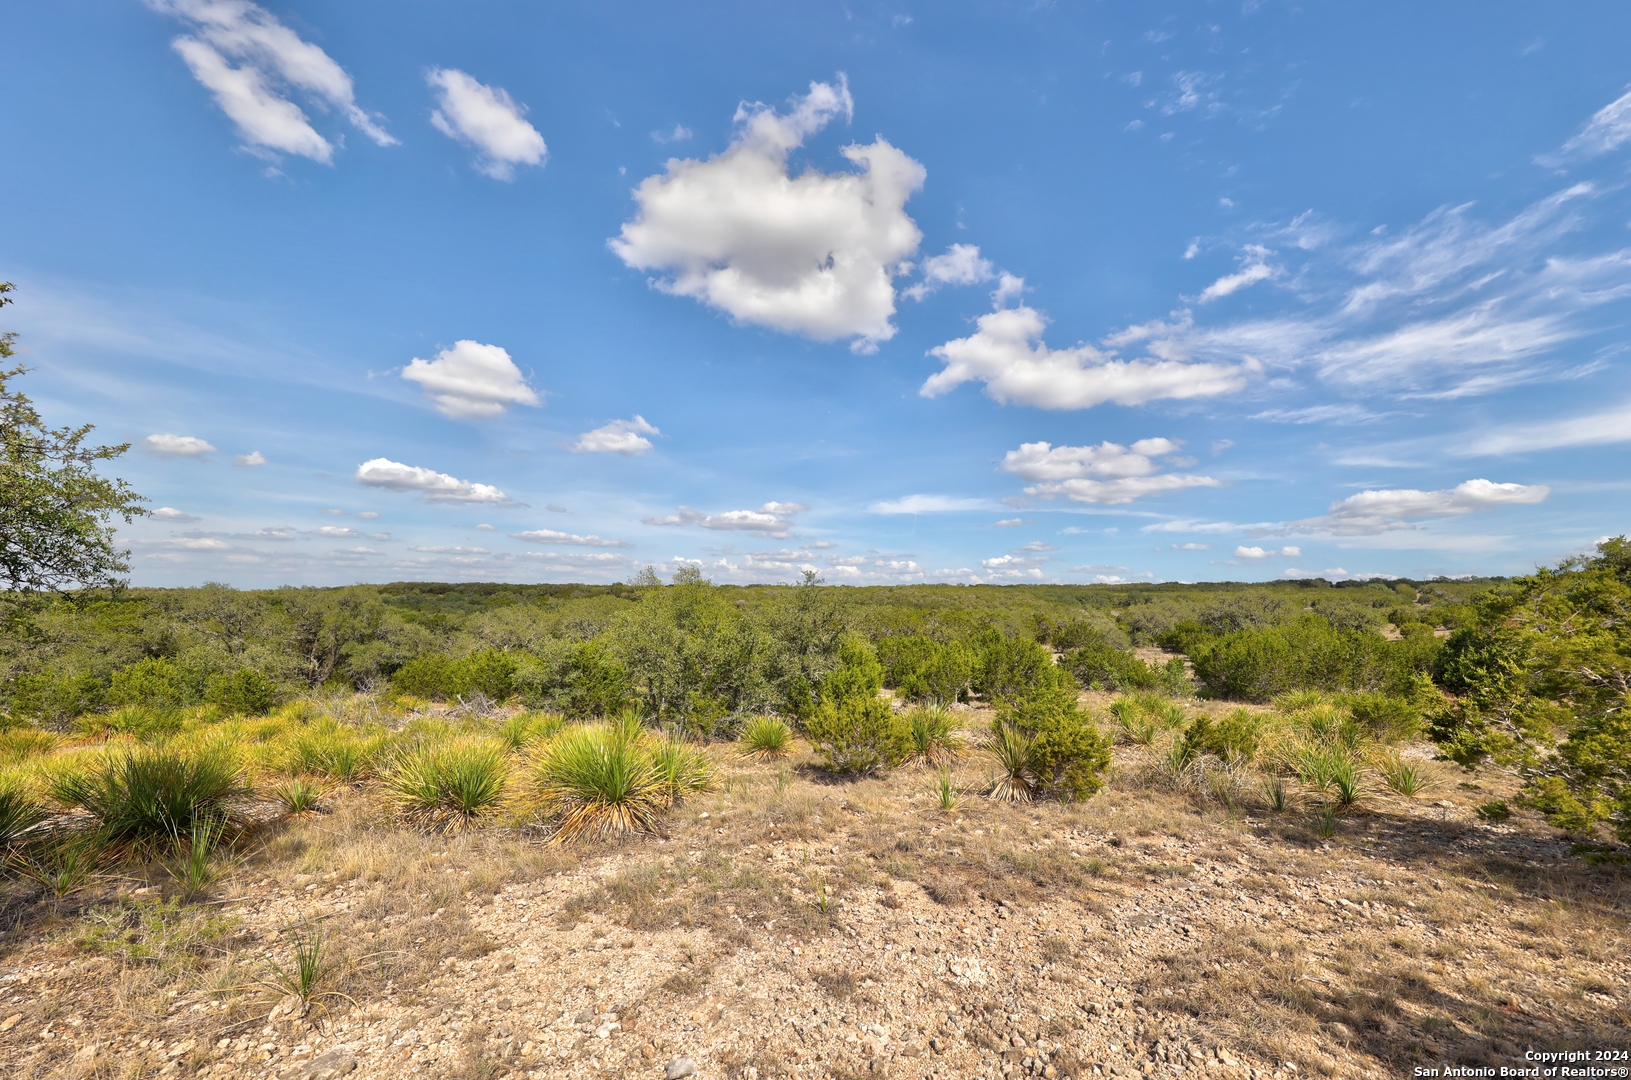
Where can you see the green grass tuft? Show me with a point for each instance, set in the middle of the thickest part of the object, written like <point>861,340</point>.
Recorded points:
<point>766,738</point>
<point>154,794</point>
<point>447,786</point>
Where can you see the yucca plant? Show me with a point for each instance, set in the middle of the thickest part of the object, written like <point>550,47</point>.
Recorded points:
<point>22,743</point>
<point>446,787</point>
<point>1404,778</point>
<point>945,792</point>
<point>310,967</point>
<point>1015,752</point>
<point>63,867</point>
<point>20,813</point>
<point>155,794</point>
<point>682,768</point>
<point>765,738</point>
<point>1348,779</point>
<point>1274,789</point>
<point>300,796</point>
<point>195,869</point>
<point>599,781</point>
<point>934,737</point>
<point>1132,723</point>
<point>524,729</point>
<point>1180,756</point>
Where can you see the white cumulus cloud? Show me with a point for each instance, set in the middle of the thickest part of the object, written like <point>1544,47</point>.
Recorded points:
<point>626,437</point>
<point>252,63</point>
<point>1107,474</point>
<point>1008,355</point>
<point>252,460</point>
<point>1254,552</point>
<point>170,513</point>
<point>814,254</point>
<point>772,519</point>
<point>486,119</point>
<point>962,264</point>
<point>550,536</point>
<point>472,381</point>
<point>434,486</point>
<point>168,445</point>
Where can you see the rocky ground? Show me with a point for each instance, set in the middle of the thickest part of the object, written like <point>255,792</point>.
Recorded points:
<point>792,926</point>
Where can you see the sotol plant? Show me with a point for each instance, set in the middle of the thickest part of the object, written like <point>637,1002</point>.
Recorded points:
<point>446,787</point>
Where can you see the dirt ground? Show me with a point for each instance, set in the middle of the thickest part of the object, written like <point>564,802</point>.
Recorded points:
<point>790,925</point>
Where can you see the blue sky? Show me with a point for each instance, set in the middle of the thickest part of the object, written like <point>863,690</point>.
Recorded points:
<point>950,292</point>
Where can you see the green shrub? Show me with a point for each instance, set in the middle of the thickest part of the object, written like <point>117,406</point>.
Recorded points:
<point>1494,811</point>
<point>156,682</point>
<point>245,692</point>
<point>1309,653</point>
<point>1385,717</point>
<point>921,669</point>
<point>445,787</point>
<point>490,672</point>
<point>154,794</point>
<point>1235,737</point>
<point>1009,667</point>
<point>859,735</point>
<point>857,674</point>
<point>1068,753</point>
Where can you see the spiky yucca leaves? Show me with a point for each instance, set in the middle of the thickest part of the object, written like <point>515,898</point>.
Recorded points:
<point>1133,724</point>
<point>1015,752</point>
<point>524,729</point>
<point>448,786</point>
<point>195,869</point>
<point>765,738</point>
<point>1404,778</point>
<point>155,794</point>
<point>682,768</point>
<point>600,781</point>
<point>945,792</point>
<point>20,812</point>
<point>934,736</point>
<point>300,796</point>
<point>21,744</point>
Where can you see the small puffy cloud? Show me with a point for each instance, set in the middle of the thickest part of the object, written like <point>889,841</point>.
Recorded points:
<point>252,460</point>
<point>814,254</point>
<point>962,264</point>
<point>332,511</point>
<point>1254,268</point>
<point>626,437</point>
<point>1253,552</point>
<point>550,536</point>
<point>170,513</point>
<point>271,532</point>
<point>680,133</point>
<point>337,532</point>
<point>471,381</point>
<point>1371,512</point>
<point>1191,547</point>
<point>1608,128</point>
<point>928,504</point>
<point>1008,355</point>
<point>772,519</point>
<point>487,528</point>
<point>177,446</point>
<point>368,515</point>
<point>433,486</point>
<point>252,63</point>
<point>434,550</point>
<point>486,119</point>
<point>1107,474</point>
<point>1010,523</point>
<point>197,543</point>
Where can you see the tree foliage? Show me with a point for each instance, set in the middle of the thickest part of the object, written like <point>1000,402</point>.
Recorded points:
<point>56,511</point>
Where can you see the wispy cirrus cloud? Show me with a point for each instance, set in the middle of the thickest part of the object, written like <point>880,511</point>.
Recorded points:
<point>774,519</point>
<point>486,119</point>
<point>251,63</point>
<point>552,536</point>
